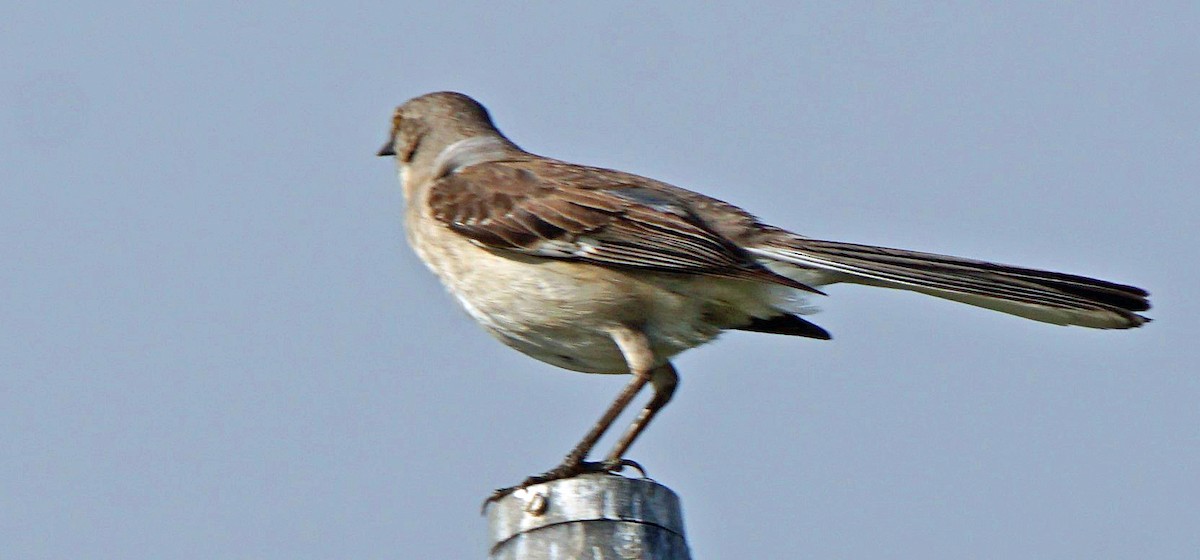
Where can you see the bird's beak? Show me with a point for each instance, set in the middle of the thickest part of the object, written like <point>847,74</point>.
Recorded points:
<point>387,150</point>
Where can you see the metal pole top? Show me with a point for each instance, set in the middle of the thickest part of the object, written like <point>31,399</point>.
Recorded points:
<point>593,516</point>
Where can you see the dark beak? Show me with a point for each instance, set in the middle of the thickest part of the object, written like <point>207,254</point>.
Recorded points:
<point>387,150</point>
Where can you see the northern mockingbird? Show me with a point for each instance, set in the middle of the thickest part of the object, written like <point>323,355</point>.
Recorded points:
<point>601,271</point>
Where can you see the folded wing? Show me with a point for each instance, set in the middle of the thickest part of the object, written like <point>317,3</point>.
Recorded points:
<point>524,207</point>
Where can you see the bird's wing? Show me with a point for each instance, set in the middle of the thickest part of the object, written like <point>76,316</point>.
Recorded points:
<point>591,215</point>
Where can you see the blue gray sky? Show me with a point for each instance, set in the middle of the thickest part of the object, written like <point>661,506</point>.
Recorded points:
<point>215,343</point>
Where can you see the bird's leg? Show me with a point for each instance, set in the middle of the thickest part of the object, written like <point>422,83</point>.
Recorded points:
<point>640,358</point>
<point>664,379</point>
<point>576,456</point>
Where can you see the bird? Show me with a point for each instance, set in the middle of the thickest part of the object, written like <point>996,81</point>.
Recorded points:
<point>601,271</point>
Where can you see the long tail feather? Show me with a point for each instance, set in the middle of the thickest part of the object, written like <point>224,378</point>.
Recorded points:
<point>1052,297</point>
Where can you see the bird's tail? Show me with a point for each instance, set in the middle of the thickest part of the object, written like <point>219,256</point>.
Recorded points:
<point>1051,297</point>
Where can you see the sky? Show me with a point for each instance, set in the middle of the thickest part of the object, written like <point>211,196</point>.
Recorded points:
<point>216,343</point>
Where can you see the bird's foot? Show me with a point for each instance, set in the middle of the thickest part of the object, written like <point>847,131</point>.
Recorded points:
<point>568,469</point>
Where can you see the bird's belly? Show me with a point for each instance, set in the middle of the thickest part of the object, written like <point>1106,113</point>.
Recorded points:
<point>563,312</point>
<point>547,316</point>
<point>564,316</point>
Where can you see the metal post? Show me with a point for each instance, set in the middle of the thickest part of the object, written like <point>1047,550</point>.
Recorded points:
<point>593,516</point>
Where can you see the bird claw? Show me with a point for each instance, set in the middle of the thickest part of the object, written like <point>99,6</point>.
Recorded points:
<point>619,465</point>
<point>566,470</point>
